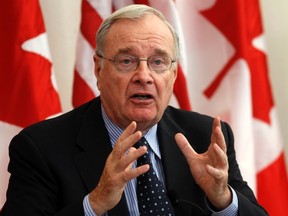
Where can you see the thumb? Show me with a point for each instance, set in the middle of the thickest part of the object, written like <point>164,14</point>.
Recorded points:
<point>185,147</point>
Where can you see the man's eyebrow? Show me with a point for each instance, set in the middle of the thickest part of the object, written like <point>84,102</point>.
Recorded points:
<point>125,50</point>
<point>161,52</point>
<point>129,50</point>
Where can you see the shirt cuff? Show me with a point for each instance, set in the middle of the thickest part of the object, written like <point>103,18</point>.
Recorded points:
<point>88,211</point>
<point>231,210</point>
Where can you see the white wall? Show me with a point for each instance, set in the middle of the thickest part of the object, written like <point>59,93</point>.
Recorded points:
<point>62,19</point>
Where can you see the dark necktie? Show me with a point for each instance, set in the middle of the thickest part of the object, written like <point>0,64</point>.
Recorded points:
<point>151,194</point>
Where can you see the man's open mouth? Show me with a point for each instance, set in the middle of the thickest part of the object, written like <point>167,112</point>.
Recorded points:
<point>142,96</point>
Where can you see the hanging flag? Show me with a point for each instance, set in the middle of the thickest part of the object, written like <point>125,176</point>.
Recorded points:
<point>27,84</point>
<point>93,13</point>
<point>228,77</point>
<point>84,86</point>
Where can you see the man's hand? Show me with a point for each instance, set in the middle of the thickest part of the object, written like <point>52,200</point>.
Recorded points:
<point>118,171</point>
<point>210,169</point>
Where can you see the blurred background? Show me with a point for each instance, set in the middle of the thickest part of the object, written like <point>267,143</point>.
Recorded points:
<point>220,37</point>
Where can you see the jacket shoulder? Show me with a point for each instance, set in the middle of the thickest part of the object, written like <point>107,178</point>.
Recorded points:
<point>184,118</point>
<point>195,126</point>
<point>66,121</point>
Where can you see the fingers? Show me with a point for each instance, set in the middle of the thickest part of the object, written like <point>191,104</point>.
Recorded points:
<point>127,139</point>
<point>220,155</point>
<point>218,162</point>
<point>132,154</point>
<point>216,173</point>
<point>216,123</point>
<point>217,135</point>
<point>124,154</point>
<point>215,159</point>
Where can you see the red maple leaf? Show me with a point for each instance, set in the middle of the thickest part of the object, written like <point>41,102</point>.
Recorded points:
<point>240,22</point>
<point>27,94</point>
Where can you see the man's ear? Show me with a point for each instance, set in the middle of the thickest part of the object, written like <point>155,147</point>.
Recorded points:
<point>175,71</point>
<point>97,70</point>
<point>97,65</point>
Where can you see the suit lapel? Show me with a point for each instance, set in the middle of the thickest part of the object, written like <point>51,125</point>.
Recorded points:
<point>174,164</point>
<point>95,143</point>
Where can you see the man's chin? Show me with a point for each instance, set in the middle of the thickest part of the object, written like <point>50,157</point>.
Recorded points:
<point>144,122</point>
<point>143,115</point>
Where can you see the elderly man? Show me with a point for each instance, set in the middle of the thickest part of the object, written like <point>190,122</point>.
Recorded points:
<point>88,162</point>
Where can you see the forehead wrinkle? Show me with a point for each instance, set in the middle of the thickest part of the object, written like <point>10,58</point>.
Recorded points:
<point>135,43</point>
<point>151,37</point>
<point>158,43</point>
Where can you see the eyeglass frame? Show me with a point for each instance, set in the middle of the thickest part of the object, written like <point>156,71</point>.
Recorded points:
<point>138,62</point>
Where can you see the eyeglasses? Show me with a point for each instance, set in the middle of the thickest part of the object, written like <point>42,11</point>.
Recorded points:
<point>127,63</point>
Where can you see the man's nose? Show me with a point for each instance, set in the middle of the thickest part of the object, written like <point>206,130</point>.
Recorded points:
<point>143,72</point>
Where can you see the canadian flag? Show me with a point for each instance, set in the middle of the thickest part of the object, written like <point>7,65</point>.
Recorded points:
<point>228,77</point>
<point>223,72</point>
<point>27,84</point>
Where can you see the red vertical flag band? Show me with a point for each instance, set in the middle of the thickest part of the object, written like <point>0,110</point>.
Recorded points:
<point>84,85</point>
<point>27,84</point>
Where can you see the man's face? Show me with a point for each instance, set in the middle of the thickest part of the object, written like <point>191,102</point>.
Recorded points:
<point>141,95</point>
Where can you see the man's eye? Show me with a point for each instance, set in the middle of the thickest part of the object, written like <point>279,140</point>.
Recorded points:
<point>158,61</point>
<point>126,61</point>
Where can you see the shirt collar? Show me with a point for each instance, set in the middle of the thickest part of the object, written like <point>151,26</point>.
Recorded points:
<point>115,131</point>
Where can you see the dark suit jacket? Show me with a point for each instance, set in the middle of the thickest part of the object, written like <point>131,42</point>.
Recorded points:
<point>55,163</point>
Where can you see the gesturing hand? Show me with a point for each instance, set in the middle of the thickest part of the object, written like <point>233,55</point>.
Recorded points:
<point>210,169</point>
<point>118,171</point>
